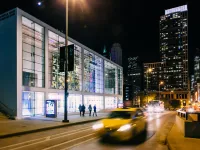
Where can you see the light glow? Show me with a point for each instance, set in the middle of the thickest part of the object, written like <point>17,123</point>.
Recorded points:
<point>98,126</point>
<point>124,127</point>
<point>176,9</point>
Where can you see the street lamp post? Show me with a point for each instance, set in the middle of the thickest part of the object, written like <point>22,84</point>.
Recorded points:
<point>159,88</point>
<point>170,94</point>
<point>66,67</point>
<point>148,70</point>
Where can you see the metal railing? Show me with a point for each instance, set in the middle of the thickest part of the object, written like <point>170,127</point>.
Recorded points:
<point>184,114</point>
<point>7,111</point>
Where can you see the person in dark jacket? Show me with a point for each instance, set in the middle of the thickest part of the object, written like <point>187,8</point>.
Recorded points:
<point>95,110</point>
<point>79,108</point>
<point>83,109</point>
<point>90,110</point>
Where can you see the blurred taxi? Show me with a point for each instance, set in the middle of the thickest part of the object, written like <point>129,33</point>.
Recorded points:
<point>122,124</point>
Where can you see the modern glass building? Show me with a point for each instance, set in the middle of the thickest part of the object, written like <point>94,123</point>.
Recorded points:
<point>30,58</point>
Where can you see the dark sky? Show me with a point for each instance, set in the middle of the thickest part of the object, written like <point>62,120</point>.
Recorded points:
<point>95,23</point>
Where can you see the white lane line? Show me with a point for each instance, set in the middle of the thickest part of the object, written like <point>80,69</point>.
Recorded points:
<point>54,146</point>
<point>46,138</point>
<point>80,143</point>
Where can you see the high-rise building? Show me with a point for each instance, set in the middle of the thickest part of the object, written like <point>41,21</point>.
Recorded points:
<point>116,54</point>
<point>174,47</point>
<point>134,72</point>
<point>197,65</point>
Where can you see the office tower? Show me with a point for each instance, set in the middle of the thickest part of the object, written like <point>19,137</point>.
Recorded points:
<point>116,54</point>
<point>174,47</point>
<point>134,72</point>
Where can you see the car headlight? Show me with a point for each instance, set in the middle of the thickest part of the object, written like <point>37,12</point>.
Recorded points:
<point>190,110</point>
<point>98,126</point>
<point>150,108</point>
<point>124,127</point>
<point>157,109</point>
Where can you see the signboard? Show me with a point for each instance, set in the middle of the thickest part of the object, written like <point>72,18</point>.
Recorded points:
<point>51,108</point>
<point>176,9</point>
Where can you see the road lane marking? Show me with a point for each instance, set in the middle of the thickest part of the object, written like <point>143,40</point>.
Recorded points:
<point>67,142</point>
<point>46,138</point>
<point>80,143</point>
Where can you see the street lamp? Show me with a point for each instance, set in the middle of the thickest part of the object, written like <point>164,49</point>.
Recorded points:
<point>148,71</point>
<point>66,67</point>
<point>170,94</point>
<point>159,87</point>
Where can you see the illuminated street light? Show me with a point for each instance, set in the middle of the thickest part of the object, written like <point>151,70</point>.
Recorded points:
<point>161,83</point>
<point>170,93</point>
<point>149,70</point>
<point>39,3</point>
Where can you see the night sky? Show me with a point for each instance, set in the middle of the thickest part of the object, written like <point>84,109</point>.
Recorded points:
<point>95,23</point>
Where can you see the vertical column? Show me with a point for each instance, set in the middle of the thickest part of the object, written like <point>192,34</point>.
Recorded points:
<point>103,82</point>
<point>19,87</point>
<point>82,74</point>
<point>46,54</point>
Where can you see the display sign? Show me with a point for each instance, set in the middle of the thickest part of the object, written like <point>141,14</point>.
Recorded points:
<point>51,108</point>
<point>120,105</point>
<point>176,9</point>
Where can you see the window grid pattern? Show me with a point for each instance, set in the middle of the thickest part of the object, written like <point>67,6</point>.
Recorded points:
<point>111,85</point>
<point>33,54</point>
<point>119,75</point>
<point>57,79</point>
<point>93,73</point>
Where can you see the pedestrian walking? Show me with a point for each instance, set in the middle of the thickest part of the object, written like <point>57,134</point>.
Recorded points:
<point>94,110</point>
<point>80,110</point>
<point>83,109</point>
<point>90,110</point>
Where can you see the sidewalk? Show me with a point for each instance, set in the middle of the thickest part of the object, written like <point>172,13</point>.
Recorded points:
<point>10,128</point>
<point>176,140</point>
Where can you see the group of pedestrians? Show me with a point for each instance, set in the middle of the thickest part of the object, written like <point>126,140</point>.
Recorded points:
<point>82,110</point>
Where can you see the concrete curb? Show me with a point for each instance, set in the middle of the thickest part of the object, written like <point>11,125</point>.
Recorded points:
<point>167,140</point>
<point>47,128</point>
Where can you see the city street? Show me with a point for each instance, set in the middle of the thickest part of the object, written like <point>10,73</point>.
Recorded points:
<point>81,137</point>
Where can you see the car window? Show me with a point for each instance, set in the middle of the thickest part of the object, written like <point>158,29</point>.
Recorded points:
<point>139,113</point>
<point>120,114</point>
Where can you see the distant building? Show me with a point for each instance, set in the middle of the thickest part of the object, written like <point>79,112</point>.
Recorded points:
<point>197,65</point>
<point>153,77</point>
<point>116,54</point>
<point>130,91</point>
<point>134,72</point>
<point>192,82</point>
<point>106,53</point>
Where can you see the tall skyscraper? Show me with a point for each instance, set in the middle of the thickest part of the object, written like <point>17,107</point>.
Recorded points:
<point>174,47</point>
<point>134,72</point>
<point>116,54</point>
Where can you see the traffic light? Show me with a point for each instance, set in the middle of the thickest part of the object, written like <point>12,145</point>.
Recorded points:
<point>62,59</point>
<point>71,57</point>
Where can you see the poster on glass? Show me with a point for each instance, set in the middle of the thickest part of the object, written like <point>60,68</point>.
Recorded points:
<point>51,108</point>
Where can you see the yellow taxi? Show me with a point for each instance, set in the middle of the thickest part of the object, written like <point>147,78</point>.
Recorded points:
<point>122,124</point>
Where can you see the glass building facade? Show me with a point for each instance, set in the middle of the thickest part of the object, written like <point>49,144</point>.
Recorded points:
<point>95,79</point>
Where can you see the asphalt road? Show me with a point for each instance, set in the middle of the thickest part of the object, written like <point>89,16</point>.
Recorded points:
<point>81,137</point>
